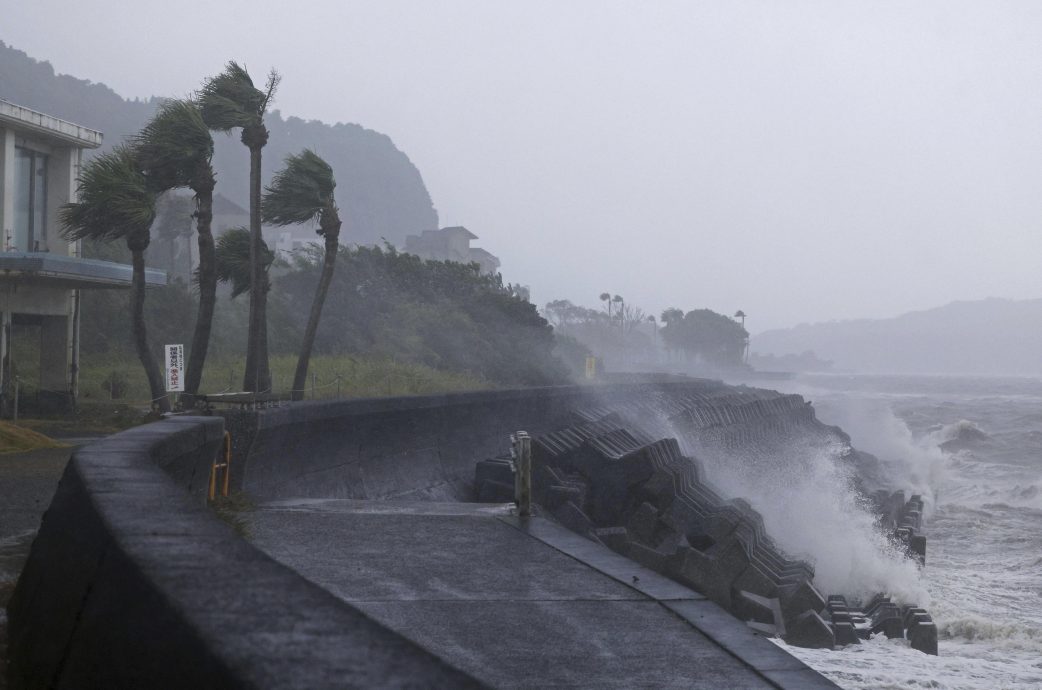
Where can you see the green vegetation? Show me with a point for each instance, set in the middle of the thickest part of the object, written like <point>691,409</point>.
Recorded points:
<point>358,377</point>
<point>15,438</point>
<point>714,339</point>
<point>230,101</point>
<point>175,150</point>
<point>392,324</point>
<point>405,325</point>
<point>116,202</point>
<point>444,315</point>
<point>231,509</point>
<point>624,336</point>
<point>300,193</point>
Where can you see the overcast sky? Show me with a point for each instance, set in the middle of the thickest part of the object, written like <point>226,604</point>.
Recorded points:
<point>802,161</point>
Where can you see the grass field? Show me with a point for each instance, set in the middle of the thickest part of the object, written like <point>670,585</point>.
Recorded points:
<point>329,377</point>
<point>15,438</point>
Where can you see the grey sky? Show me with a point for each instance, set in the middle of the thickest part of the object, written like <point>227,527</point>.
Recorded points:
<point>798,160</point>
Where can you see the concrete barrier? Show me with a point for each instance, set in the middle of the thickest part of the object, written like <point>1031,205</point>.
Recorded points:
<point>132,583</point>
<point>419,447</point>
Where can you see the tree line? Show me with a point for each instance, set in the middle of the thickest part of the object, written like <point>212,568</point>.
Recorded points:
<point>118,193</point>
<point>625,335</point>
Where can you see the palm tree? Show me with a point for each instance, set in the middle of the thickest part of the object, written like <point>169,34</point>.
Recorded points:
<point>117,202</point>
<point>233,263</point>
<point>606,297</point>
<point>175,149</point>
<point>229,101</point>
<point>303,191</point>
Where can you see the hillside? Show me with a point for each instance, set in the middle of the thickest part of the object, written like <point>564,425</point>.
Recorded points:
<point>992,336</point>
<point>380,191</point>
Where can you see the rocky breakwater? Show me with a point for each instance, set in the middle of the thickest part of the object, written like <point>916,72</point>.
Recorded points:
<point>623,474</point>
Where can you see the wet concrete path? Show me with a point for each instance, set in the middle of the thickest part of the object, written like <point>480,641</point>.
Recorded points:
<point>518,603</point>
<point>27,483</point>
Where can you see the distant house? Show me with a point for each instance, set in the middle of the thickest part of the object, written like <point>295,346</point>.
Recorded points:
<point>227,215</point>
<point>175,242</point>
<point>450,244</point>
<point>41,274</point>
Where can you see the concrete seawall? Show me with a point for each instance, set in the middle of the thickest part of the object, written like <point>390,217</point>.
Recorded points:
<point>427,446</point>
<point>132,582</point>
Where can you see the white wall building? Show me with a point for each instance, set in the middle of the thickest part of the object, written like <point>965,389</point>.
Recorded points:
<point>451,244</point>
<point>41,273</point>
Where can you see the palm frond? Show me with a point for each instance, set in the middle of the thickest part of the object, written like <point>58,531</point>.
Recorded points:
<point>233,259</point>
<point>230,99</point>
<point>300,191</point>
<point>115,200</point>
<point>175,147</point>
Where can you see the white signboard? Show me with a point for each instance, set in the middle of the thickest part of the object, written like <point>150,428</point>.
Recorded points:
<point>175,368</point>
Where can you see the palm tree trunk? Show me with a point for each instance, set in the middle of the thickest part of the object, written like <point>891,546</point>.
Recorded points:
<point>257,377</point>
<point>137,313</point>
<point>301,375</point>
<point>207,294</point>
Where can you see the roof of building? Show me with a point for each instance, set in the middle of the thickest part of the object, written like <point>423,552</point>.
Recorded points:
<point>71,271</point>
<point>225,206</point>
<point>20,117</point>
<point>455,230</point>
<point>478,252</point>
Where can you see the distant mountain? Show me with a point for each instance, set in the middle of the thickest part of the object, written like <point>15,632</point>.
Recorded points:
<point>380,191</point>
<point>992,336</point>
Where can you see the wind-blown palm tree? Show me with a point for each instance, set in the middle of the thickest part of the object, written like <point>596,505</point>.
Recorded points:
<point>229,101</point>
<point>233,261</point>
<point>175,149</point>
<point>117,202</point>
<point>303,191</point>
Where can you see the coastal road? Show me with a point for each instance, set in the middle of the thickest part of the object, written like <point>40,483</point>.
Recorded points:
<point>518,602</point>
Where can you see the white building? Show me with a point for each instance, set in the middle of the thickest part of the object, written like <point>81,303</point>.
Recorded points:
<point>41,273</point>
<point>451,244</point>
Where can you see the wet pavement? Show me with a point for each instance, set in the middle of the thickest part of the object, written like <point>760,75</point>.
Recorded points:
<point>517,603</point>
<point>27,483</point>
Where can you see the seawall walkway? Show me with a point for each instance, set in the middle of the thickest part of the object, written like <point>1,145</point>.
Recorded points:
<point>518,602</point>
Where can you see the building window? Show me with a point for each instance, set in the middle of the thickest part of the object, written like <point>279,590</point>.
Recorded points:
<point>30,202</point>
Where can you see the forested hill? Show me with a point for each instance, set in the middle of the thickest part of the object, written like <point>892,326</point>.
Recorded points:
<point>985,337</point>
<point>380,191</point>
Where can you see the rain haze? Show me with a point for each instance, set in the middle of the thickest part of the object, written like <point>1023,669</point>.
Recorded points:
<point>802,161</point>
<point>438,314</point>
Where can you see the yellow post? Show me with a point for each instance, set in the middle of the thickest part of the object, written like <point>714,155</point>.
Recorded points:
<point>591,367</point>
<point>224,467</point>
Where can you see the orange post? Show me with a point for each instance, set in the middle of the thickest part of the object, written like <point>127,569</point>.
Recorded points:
<point>223,467</point>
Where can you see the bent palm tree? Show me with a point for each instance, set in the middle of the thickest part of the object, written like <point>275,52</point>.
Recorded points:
<point>116,202</point>
<point>233,261</point>
<point>300,192</point>
<point>175,149</point>
<point>229,101</point>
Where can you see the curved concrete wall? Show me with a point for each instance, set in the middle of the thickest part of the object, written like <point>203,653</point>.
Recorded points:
<point>133,583</point>
<point>411,447</point>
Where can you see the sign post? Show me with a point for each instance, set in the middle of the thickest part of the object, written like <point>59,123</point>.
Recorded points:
<point>175,368</point>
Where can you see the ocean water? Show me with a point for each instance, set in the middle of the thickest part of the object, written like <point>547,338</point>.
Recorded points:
<point>983,577</point>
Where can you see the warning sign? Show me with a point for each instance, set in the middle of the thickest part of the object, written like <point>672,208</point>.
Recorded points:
<point>175,368</point>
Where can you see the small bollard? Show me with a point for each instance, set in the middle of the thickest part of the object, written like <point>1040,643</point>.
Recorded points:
<point>522,456</point>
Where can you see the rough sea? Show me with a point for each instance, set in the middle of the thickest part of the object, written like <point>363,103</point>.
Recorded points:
<point>973,448</point>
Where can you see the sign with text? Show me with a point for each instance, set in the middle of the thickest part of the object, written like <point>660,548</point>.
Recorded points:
<point>175,368</point>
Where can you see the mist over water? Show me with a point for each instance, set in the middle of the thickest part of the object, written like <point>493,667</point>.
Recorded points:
<point>983,577</point>
<point>812,510</point>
